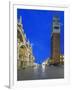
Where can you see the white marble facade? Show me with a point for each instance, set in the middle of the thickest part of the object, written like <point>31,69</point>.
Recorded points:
<point>25,56</point>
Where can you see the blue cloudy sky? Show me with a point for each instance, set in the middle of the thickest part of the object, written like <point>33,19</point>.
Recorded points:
<point>37,25</point>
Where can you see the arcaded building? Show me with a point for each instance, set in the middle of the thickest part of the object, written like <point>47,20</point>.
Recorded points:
<point>25,56</point>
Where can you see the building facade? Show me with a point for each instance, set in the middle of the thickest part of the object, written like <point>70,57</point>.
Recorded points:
<point>25,56</point>
<point>55,40</point>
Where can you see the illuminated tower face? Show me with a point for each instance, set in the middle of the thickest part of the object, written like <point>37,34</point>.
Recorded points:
<point>55,40</point>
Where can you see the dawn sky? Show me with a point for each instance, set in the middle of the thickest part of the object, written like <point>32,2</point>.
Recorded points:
<point>37,25</point>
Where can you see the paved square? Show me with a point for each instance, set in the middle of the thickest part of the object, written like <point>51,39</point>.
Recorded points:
<point>41,72</point>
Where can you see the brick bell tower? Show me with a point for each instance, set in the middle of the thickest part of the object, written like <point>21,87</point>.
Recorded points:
<point>55,40</point>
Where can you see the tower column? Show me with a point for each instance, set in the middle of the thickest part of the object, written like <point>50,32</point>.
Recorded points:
<point>55,41</point>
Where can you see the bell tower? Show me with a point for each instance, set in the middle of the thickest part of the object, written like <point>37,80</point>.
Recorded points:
<point>55,40</point>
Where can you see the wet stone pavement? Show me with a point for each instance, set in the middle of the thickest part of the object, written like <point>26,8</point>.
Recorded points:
<point>41,72</point>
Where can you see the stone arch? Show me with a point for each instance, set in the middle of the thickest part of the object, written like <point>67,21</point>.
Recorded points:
<point>23,56</point>
<point>22,51</point>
